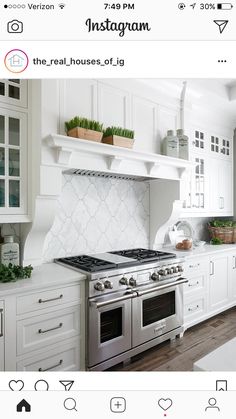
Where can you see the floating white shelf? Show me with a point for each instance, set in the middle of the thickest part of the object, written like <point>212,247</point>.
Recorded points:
<point>72,153</point>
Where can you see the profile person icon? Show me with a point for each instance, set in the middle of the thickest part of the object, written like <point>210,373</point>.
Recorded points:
<point>212,405</point>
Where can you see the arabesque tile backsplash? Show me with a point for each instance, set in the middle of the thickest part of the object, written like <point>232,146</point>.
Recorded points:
<point>97,215</point>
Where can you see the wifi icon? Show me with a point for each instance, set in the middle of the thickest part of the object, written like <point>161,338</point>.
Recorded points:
<point>61,5</point>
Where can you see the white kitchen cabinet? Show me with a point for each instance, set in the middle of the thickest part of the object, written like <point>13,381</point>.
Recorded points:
<point>218,282</point>
<point>13,92</point>
<point>13,163</point>
<point>195,290</point>
<point>220,186</point>
<point>113,106</point>
<point>232,275</point>
<point>2,340</point>
<point>46,329</point>
<point>221,147</point>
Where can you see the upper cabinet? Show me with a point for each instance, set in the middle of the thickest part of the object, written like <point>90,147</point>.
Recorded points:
<point>14,92</point>
<point>209,188</point>
<point>13,156</point>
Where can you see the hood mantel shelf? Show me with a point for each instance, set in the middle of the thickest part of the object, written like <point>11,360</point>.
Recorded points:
<point>72,153</point>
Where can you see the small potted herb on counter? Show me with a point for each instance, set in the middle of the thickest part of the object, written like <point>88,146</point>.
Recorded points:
<point>11,273</point>
<point>222,231</point>
<point>118,136</point>
<point>85,129</point>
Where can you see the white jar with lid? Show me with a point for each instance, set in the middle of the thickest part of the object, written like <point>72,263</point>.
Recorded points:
<point>183,144</point>
<point>170,145</point>
<point>9,251</point>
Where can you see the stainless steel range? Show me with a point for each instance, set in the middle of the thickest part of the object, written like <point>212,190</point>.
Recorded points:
<point>134,301</point>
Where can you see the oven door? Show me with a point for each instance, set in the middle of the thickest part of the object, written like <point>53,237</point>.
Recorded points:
<point>109,327</point>
<point>157,311</point>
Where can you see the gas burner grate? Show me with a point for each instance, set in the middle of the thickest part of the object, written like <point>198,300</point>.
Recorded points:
<point>144,255</point>
<point>87,263</point>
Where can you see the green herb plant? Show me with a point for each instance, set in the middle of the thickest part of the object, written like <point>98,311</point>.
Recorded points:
<point>83,123</point>
<point>10,273</point>
<point>122,132</point>
<point>216,240</point>
<point>222,223</point>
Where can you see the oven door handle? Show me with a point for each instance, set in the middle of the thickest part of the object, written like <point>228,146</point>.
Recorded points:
<point>162,287</point>
<point>114,300</point>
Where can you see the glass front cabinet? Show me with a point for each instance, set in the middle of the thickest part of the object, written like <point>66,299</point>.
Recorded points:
<point>13,162</point>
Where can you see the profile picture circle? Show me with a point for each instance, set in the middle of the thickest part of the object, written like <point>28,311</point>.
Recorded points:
<point>16,61</point>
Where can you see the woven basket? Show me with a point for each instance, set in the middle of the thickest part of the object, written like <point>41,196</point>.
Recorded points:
<point>226,234</point>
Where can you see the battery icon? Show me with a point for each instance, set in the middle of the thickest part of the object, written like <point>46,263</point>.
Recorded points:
<point>224,6</point>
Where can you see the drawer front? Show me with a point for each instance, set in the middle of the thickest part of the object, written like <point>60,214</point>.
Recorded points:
<point>65,358</point>
<point>39,331</point>
<point>46,299</point>
<point>194,308</point>
<point>197,283</point>
<point>195,266</point>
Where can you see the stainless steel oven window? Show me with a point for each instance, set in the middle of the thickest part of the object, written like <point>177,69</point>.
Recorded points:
<point>111,324</point>
<point>158,308</point>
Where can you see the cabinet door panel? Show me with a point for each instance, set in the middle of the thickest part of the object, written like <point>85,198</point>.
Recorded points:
<point>145,124</point>
<point>79,98</point>
<point>13,162</point>
<point>113,106</point>
<point>14,92</point>
<point>218,282</point>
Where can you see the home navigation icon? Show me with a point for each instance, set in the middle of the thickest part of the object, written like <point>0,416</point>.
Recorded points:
<point>23,406</point>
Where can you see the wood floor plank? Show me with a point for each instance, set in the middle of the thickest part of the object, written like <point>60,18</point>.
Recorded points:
<point>180,355</point>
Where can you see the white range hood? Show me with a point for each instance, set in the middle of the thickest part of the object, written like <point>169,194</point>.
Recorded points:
<point>76,154</point>
<point>64,154</point>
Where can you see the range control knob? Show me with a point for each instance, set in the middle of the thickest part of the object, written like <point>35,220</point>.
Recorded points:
<point>180,268</point>
<point>99,286</point>
<point>162,272</point>
<point>132,282</point>
<point>176,269</point>
<point>168,271</point>
<point>108,284</point>
<point>124,281</point>
<point>155,277</point>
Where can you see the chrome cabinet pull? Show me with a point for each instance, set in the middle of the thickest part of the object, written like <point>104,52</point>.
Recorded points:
<point>193,308</point>
<point>193,285</point>
<point>50,330</point>
<point>1,322</point>
<point>234,258</point>
<point>212,270</point>
<point>52,367</point>
<point>195,266</point>
<point>40,301</point>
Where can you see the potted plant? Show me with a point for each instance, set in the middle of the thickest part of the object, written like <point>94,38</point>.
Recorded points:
<point>84,128</point>
<point>222,231</point>
<point>118,136</point>
<point>11,273</point>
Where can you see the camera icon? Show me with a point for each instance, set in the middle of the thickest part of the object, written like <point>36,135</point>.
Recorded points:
<point>15,26</point>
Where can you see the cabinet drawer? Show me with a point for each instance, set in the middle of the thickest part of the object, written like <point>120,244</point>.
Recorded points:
<point>64,358</point>
<point>49,298</point>
<point>195,284</point>
<point>194,308</point>
<point>40,331</point>
<point>195,266</point>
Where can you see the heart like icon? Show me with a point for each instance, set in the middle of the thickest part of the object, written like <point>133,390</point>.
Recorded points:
<point>16,385</point>
<point>165,404</point>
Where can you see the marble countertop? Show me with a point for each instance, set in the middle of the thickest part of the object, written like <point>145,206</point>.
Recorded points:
<point>44,276</point>
<point>205,250</point>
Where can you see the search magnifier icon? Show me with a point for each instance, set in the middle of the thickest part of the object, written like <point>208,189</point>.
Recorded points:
<point>70,404</point>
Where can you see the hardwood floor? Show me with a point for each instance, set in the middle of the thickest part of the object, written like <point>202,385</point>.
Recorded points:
<point>181,354</point>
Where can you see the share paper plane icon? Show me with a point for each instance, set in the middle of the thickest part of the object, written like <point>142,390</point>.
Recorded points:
<point>67,384</point>
<point>222,24</point>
